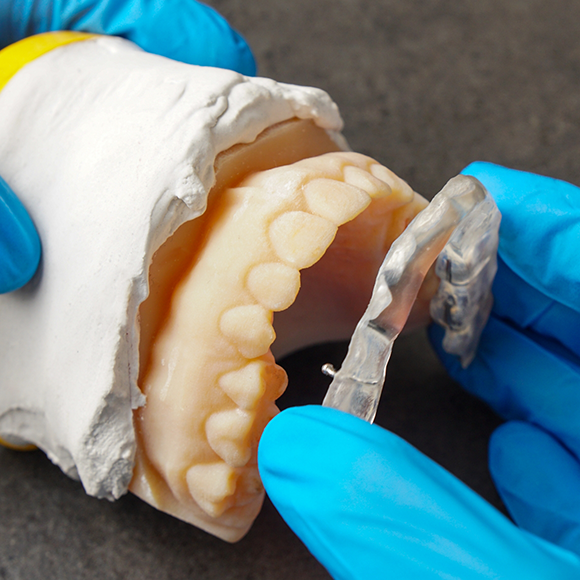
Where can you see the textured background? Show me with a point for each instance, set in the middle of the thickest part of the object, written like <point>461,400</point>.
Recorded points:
<point>424,86</point>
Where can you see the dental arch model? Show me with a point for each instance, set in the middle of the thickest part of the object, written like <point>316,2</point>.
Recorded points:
<point>283,220</point>
<point>139,356</point>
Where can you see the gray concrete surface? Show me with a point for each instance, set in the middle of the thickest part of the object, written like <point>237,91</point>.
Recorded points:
<point>425,86</point>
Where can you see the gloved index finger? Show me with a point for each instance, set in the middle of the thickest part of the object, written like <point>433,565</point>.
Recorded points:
<point>540,229</point>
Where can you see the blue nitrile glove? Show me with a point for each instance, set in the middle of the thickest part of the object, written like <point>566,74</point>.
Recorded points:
<point>183,30</point>
<point>19,242</point>
<point>369,505</point>
<point>528,362</point>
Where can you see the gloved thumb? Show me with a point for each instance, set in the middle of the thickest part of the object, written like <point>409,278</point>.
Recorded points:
<point>369,505</point>
<point>19,242</point>
<point>539,482</point>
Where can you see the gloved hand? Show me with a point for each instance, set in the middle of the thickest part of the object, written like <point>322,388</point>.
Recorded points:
<point>184,30</point>
<point>528,362</point>
<point>369,505</point>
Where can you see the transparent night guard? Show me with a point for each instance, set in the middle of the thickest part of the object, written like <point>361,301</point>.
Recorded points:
<point>459,229</point>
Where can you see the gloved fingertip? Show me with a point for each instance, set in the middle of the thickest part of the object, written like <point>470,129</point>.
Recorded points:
<point>538,480</point>
<point>300,459</point>
<point>297,433</point>
<point>19,242</point>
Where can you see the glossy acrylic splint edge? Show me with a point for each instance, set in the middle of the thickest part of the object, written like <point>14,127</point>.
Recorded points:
<point>459,229</point>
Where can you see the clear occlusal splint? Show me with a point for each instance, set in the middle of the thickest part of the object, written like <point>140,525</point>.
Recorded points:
<point>458,232</point>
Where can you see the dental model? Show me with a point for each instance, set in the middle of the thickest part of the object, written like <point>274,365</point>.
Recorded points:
<point>210,371</point>
<point>177,207</point>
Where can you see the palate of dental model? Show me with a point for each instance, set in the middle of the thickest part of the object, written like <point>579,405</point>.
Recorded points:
<point>176,206</point>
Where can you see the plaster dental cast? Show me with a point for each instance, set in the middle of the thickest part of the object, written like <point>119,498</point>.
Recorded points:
<point>417,521</point>
<point>201,202</point>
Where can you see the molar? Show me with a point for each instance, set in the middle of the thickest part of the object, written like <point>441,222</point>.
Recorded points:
<point>331,165</point>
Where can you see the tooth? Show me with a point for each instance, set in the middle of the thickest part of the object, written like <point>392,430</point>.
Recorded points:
<point>276,381</point>
<point>401,191</point>
<point>330,164</point>
<point>300,238</point>
<point>334,200</point>
<point>274,285</point>
<point>211,485</point>
<point>227,434</point>
<point>249,328</point>
<point>384,174</point>
<point>358,177</point>
<point>281,179</point>
<point>247,385</point>
<point>358,159</point>
<point>271,411</point>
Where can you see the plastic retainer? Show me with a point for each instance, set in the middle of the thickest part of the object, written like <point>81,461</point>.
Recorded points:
<point>458,229</point>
